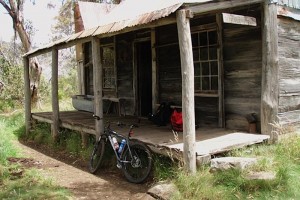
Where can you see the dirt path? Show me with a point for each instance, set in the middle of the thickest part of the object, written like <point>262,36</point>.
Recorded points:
<point>83,185</point>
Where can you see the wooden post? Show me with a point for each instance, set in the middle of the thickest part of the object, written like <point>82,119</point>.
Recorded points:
<point>154,71</point>
<point>97,73</point>
<point>188,105</point>
<point>27,95</point>
<point>80,76</point>
<point>270,68</point>
<point>221,71</point>
<point>55,103</point>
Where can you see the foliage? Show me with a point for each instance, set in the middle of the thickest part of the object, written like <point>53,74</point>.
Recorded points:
<point>12,93</point>
<point>29,184</point>
<point>282,158</point>
<point>7,126</point>
<point>164,167</point>
<point>64,21</point>
<point>67,85</point>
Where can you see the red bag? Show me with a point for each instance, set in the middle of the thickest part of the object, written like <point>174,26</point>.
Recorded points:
<point>176,121</point>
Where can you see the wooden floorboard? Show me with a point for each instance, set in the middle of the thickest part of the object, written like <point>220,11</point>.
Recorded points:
<point>208,140</point>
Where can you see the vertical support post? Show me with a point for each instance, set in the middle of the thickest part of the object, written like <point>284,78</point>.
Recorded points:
<point>270,68</point>
<point>97,73</point>
<point>154,71</point>
<point>80,77</point>
<point>188,98</point>
<point>27,95</point>
<point>221,71</point>
<point>55,103</point>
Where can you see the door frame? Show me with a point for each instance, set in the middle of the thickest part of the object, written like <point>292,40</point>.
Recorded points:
<point>137,110</point>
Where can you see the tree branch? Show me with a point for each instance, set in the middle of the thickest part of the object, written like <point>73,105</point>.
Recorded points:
<point>7,8</point>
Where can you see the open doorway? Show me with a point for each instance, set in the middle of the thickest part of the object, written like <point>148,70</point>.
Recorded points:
<point>144,79</point>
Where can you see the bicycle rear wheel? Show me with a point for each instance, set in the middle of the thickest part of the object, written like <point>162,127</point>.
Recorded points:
<point>136,168</point>
<point>96,156</point>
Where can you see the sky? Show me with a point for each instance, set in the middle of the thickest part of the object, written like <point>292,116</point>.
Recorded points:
<point>42,19</point>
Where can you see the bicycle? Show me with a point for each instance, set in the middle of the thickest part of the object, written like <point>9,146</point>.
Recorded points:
<point>134,159</point>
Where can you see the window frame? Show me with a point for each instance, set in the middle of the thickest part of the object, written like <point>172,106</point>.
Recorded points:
<point>199,91</point>
<point>112,66</point>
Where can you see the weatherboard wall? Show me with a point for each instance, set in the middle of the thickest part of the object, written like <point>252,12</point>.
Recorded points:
<point>242,54</point>
<point>289,66</point>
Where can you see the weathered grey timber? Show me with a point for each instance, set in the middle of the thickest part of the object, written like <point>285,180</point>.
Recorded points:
<point>188,103</point>
<point>27,95</point>
<point>97,73</point>
<point>54,90</point>
<point>289,70</point>
<point>240,68</point>
<point>270,68</point>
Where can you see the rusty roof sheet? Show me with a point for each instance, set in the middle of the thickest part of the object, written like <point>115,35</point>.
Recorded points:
<point>100,19</point>
<point>290,3</point>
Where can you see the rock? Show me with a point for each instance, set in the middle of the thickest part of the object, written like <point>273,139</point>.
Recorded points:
<point>203,159</point>
<point>162,191</point>
<point>261,176</point>
<point>225,163</point>
<point>146,197</point>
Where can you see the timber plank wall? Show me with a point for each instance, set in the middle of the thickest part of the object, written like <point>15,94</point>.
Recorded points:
<point>169,73</point>
<point>289,66</point>
<point>242,61</point>
<point>125,72</point>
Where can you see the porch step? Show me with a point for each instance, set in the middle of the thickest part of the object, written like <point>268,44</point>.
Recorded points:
<point>223,143</point>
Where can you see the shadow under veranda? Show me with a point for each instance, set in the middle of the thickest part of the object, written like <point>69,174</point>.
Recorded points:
<point>108,171</point>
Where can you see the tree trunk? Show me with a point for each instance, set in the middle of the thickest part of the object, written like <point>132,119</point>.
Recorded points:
<point>16,13</point>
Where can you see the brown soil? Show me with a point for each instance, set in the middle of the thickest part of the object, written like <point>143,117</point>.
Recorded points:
<point>70,172</point>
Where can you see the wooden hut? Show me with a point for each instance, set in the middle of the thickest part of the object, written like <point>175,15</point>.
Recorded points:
<point>231,64</point>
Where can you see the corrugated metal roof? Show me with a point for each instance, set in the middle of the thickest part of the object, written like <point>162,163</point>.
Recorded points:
<point>290,3</point>
<point>128,13</point>
<point>102,18</point>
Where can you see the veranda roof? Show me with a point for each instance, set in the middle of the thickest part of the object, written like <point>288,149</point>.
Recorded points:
<point>101,19</point>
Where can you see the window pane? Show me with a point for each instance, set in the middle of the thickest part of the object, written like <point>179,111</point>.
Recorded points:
<point>203,39</point>
<point>203,54</point>
<point>205,68</point>
<point>196,54</point>
<point>197,69</point>
<point>108,67</point>
<point>212,36</point>
<point>213,53</point>
<point>205,83</point>
<point>197,83</point>
<point>214,83</point>
<point>214,68</point>
<point>195,40</point>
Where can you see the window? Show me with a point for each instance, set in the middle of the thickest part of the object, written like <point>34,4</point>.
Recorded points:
<point>108,63</point>
<point>206,62</point>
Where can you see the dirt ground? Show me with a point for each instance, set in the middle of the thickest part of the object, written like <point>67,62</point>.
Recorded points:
<point>72,174</point>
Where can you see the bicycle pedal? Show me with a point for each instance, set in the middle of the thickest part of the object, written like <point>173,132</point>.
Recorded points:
<point>119,166</point>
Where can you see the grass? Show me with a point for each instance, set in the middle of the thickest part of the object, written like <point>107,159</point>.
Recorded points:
<point>29,185</point>
<point>282,158</point>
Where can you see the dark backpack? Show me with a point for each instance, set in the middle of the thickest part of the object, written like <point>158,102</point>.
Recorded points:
<point>162,115</point>
<point>176,120</point>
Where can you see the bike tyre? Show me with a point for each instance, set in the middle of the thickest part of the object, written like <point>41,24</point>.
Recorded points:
<point>96,156</point>
<point>137,174</point>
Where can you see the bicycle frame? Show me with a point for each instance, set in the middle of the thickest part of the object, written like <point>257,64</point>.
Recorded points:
<point>110,134</point>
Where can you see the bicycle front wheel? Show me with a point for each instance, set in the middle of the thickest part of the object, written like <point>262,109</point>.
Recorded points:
<point>137,166</point>
<point>96,156</point>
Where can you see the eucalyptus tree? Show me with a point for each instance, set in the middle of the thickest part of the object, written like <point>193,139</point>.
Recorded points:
<point>15,10</point>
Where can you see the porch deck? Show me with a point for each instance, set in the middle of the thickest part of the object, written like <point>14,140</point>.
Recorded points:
<point>209,141</point>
